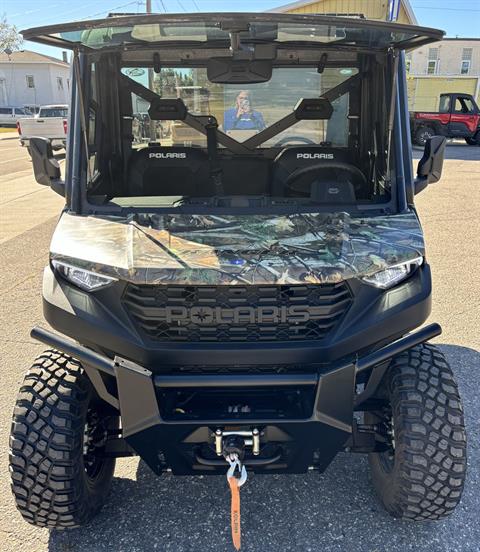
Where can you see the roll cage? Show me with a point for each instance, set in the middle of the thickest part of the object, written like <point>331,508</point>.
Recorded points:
<point>372,46</point>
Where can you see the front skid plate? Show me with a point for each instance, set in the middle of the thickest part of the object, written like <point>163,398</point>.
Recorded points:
<point>161,444</point>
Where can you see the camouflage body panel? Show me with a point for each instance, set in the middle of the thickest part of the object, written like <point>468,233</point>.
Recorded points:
<point>245,249</point>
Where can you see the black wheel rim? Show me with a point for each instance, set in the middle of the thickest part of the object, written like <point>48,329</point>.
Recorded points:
<point>386,429</point>
<point>424,136</point>
<point>94,443</point>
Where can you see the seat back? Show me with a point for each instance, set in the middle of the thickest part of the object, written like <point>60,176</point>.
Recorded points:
<point>169,171</point>
<point>246,175</point>
<point>330,188</point>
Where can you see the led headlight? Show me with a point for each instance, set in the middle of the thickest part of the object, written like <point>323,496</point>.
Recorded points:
<point>84,279</point>
<point>391,276</point>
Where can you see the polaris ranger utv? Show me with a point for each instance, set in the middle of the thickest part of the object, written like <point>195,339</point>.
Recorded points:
<point>250,300</point>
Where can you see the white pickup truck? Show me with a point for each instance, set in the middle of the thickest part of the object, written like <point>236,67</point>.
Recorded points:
<point>50,122</point>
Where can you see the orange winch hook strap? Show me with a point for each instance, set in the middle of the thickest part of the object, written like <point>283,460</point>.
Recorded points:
<point>235,512</point>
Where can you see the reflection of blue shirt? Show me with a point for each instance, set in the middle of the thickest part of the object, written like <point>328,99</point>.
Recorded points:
<point>247,121</point>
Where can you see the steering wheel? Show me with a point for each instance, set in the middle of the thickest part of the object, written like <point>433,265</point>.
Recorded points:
<point>339,165</point>
<point>287,139</point>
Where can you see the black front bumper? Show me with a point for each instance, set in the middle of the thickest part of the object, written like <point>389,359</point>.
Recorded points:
<point>183,442</point>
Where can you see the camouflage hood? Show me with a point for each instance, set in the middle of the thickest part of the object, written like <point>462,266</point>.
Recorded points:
<point>243,249</point>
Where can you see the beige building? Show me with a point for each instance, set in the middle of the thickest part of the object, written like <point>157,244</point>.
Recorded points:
<point>451,57</point>
<point>394,10</point>
<point>452,65</point>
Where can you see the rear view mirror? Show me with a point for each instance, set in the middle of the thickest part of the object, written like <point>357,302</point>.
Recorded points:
<point>239,71</point>
<point>431,164</point>
<point>45,167</point>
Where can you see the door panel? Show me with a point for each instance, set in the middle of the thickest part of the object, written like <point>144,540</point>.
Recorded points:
<point>463,120</point>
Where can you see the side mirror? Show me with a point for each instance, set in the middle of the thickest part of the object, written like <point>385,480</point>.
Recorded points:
<point>45,167</point>
<point>431,164</point>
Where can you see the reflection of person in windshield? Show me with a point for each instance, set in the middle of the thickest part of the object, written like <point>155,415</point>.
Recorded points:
<point>243,116</point>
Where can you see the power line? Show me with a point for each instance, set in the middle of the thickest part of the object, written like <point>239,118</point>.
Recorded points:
<point>110,10</point>
<point>41,22</point>
<point>414,3</point>
<point>196,5</point>
<point>446,9</point>
<point>182,7</point>
<point>161,2</point>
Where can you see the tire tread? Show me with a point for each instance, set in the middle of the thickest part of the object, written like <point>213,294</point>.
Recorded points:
<point>46,466</point>
<point>430,439</point>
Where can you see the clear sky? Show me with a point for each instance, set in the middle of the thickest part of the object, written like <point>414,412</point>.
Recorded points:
<point>456,17</point>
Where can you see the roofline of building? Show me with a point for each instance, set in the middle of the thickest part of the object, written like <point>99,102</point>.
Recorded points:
<point>459,38</point>
<point>410,12</point>
<point>66,65</point>
<point>46,59</point>
<point>303,3</point>
<point>446,76</point>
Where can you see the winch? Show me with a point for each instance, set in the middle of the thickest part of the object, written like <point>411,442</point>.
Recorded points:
<point>236,441</point>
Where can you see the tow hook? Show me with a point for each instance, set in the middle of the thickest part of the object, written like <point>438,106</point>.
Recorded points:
<point>227,442</point>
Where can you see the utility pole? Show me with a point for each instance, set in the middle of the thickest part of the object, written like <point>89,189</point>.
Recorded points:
<point>148,9</point>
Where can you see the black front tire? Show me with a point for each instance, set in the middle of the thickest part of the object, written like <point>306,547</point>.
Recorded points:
<point>422,134</point>
<point>57,480</point>
<point>422,476</point>
<point>474,140</point>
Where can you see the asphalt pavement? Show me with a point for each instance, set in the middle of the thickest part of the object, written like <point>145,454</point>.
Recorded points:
<point>335,511</point>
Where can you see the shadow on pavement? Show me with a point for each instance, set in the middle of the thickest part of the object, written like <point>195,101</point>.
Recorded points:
<point>457,150</point>
<point>334,511</point>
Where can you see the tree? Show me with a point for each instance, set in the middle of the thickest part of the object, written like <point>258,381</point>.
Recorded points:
<point>10,39</point>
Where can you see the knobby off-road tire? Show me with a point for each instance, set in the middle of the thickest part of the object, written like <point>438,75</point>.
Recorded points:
<point>422,134</point>
<point>54,481</point>
<point>422,477</point>
<point>474,140</point>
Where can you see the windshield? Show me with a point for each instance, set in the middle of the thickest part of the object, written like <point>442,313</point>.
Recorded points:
<point>241,111</point>
<point>307,135</point>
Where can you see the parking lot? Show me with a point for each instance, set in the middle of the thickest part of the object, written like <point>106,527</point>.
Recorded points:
<point>335,511</point>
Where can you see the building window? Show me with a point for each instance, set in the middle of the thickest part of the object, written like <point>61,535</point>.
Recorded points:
<point>59,83</point>
<point>68,84</point>
<point>30,81</point>
<point>408,62</point>
<point>3,92</point>
<point>432,64</point>
<point>432,67</point>
<point>465,69</point>
<point>466,61</point>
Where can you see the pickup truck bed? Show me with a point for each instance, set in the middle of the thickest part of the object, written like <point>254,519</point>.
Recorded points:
<point>47,125</point>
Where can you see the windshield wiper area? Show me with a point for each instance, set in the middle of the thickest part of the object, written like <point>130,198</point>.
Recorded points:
<point>246,202</point>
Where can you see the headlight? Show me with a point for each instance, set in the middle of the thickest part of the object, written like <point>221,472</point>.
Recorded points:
<point>84,279</point>
<point>387,278</point>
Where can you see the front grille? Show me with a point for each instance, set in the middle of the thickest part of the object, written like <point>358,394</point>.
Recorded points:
<point>237,313</point>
